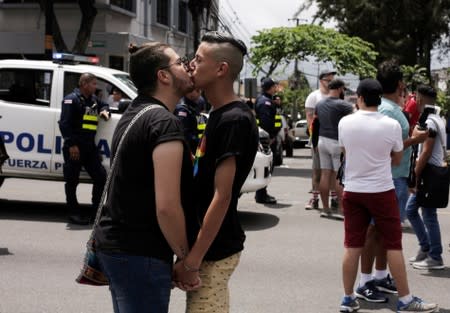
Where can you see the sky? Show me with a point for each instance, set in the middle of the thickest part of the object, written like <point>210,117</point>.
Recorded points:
<point>248,16</point>
<point>260,14</point>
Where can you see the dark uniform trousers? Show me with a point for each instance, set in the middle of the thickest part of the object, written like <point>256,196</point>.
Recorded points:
<point>91,161</point>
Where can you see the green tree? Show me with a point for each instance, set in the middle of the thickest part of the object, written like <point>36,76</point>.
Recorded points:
<point>443,98</point>
<point>293,97</point>
<point>406,30</point>
<point>280,46</point>
<point>414,76</point>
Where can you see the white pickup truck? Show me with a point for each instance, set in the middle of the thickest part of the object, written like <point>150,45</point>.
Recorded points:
<point>30,102</point>
<point>300,134</point>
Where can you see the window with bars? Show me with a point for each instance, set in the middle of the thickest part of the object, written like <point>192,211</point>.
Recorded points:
<point>162,12</point>
<point>124,4</point>
<point>182,16</point>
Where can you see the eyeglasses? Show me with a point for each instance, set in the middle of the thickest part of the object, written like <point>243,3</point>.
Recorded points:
<point>181,61</point>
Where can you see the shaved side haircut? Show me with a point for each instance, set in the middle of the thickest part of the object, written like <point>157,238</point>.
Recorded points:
<point>227,49</point>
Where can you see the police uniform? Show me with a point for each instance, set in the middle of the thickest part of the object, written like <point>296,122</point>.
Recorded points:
<point>193,123</point>
<point>266,113</point>
<point>78,124</point>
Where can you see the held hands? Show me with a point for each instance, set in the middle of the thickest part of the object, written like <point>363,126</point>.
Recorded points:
<point>184,277</point>
<point>104,115</point>
<point>74,153</point>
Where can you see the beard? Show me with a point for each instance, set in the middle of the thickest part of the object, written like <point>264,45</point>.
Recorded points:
<point>182,86</point>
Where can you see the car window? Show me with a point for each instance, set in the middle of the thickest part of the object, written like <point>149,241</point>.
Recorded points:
<point>127,81</point>
<point>104,91</point>
<point>26,86</point>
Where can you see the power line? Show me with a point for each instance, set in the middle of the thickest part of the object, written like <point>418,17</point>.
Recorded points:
<point>235,23</point>
<point>238,19</point>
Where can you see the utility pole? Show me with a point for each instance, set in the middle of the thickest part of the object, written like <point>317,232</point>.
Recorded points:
<point>296,81</point>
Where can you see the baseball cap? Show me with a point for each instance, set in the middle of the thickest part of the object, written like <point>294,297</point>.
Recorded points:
<point>326,72</point>
<point>371,91</point>
<point>336,84</point>
<point>267,82</point>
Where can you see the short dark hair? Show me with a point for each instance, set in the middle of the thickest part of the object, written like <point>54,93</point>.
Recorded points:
<point>336,84</point>
<point>371,91</point>
<point>217,37</point>
<point>389,75</point>
<point>427,91</point>
<point>145,61</point>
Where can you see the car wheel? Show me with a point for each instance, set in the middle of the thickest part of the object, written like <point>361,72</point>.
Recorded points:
<point>2,179</point>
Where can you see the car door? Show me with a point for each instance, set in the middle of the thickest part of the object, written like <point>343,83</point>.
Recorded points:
<point>105,129</point>
<point>27,120</point>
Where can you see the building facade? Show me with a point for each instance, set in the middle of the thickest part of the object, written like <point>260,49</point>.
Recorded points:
<point>117,24</point>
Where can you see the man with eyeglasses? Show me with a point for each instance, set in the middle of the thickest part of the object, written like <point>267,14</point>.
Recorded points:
<point>149,206</point>
<point>222,162</point>
<point>313,98</point>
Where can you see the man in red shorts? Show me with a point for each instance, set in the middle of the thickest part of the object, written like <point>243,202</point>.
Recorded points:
<point>371,142</point>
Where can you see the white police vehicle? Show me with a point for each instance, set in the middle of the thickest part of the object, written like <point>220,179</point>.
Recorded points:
<point>30,102</point>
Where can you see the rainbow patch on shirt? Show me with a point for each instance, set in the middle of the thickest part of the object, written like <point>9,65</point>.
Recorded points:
<point>199,153</point>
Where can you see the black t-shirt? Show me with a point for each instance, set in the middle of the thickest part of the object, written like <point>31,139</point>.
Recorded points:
<point>128,223</point>
<point>231,131</point>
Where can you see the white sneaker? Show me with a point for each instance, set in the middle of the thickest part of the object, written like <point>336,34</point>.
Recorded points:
<point>416,305</point>
<point>420,256</point>
<point>429,264</point>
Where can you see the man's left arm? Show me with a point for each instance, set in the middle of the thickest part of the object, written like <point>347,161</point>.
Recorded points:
<point>103,109</point>
<point>223,187</point>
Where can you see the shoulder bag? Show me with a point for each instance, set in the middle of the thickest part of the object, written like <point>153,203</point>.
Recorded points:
<point>91,272</point>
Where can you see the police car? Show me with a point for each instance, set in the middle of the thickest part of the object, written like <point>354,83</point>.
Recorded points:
<point>30,103</point>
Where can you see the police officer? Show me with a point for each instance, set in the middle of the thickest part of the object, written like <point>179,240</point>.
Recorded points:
<point>78,123</point>
<point>265,113</point>
<point>188,112</point>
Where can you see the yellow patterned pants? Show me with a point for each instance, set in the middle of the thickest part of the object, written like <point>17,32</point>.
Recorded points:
<point>213,296</point>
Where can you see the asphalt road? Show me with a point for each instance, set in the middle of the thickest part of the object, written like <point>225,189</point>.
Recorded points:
<point>291,263</point>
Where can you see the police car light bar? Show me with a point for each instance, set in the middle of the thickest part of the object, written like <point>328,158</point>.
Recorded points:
<point>73,58</point>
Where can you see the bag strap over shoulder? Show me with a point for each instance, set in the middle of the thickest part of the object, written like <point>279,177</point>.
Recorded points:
<point>114,162</point>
